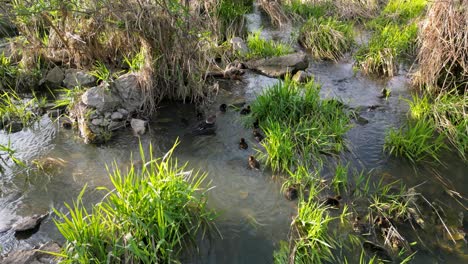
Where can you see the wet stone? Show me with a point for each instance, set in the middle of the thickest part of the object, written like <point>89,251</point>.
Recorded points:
<point>29,223</point>
<point>97,122</point>
<point>117,116</point>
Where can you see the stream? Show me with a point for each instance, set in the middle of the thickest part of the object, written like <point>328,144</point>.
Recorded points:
<point>253,214</point>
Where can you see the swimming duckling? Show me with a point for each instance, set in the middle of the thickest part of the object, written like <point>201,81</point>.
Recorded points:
<point>206,127</point>
<point>223,108</point>
<point>245,111</point>
<point>243,144</point>
<point>333,201</point>
<point>291,193</point>
<point>253,163</point>
<point>359,227</point>
<point>257,135</point>
<point>382,222</point>
<point>256,124</point>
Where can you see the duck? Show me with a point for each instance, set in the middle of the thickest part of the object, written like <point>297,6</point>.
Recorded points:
<point>253,163</point>
<point>332,201</point>
<point>257,135</point>
<point>382,222</point>
<point>256,124</point>
<point>206,127</point>
<point>223,108</point>
<point>245,111</point>
<point>243,144</point>
<point>291,193</point>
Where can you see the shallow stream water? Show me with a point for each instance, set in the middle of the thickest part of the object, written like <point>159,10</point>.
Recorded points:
<point>254,215</point>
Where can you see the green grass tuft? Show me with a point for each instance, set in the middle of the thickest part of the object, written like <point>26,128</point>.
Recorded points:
<point>306,10</point>
<point>326,38</point>
<point>416,141</point>
<point>298,125</point>
<point>150,216</point>
<point>261,48</point>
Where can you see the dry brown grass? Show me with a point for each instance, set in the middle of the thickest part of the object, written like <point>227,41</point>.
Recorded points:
<point>357,9</point>
<point>275,11</point>
<point>443,57</point>
<point>108,31</point>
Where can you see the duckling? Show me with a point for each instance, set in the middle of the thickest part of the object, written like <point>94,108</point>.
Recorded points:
<point>256,124</point>
<point>245,111</point>
<point>291,193</point>
<point>223,108</point>
<point>359,227</point>
<point>257,135</point>
<point>382,222</point>
<point>333,201</point>
<point>253,163</point>
<point>206,127</point>
<point>243,144</point>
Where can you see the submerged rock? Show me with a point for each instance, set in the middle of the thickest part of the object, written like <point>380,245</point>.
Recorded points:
<point>138,126</point>
<point>74,77</point>
<point>278,67</point>
<point>33,256</point>
<point>373,249</point>
<point>29,223</point>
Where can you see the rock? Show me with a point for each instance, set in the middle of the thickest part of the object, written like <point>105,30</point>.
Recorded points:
<point>29,223</point>
<point>123,111</point>
<point>138,126</point>
<point>33,256</point>
<point>117,116</point>
<point>55,76</point>
<point>278,67</point>
<point>130,91</point>
<point>239,46</point>
<point>114,125</point>
<point>97,121</point>
<point>302,76</point>
<point>100,98</point>
<point>74,77</point>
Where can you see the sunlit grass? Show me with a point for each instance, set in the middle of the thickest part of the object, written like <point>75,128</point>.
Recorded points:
<point>261,48</point>
<point>416,141</point>
<point>298,125</point>
<point>326,38</point>
<point>307,9</point>
<point>149,216</point>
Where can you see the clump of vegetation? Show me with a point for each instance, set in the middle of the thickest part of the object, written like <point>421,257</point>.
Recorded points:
<point>416,141</point>
<point>298,125</point>
<point>150,216</point>
<point>385,48</point>
<point>7,153</point>
<point>356,9</point>
<point>447,114</point>
<point>231,16</point>
<point>394,37</point>
<point>261,48</point>
<point>8,73</point>
<point>326,38</point>
<point>442,60</point>
<point>303,9</point>
<point>275,11</point>
<point>13,109</point>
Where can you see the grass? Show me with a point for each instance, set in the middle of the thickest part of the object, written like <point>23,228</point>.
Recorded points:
<point>149,216</point>
<point>326,38</point>
<point>7,153</point>
<point>231,16</point>
<point>314,244</point>
<point>298,125</point>
<point>306,9</point>
<point>416,141</point>
<point>8,73</point>
<point>402,11</point>
<point>13,108</point>
<point>447,113</point>
<point>385,48</point>
<point>261,48</point>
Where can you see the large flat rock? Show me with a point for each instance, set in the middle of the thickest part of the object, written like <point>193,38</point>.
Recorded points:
<point>278,67</point>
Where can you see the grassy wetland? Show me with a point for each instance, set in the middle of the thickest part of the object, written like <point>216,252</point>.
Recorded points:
<point>152,131</point>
